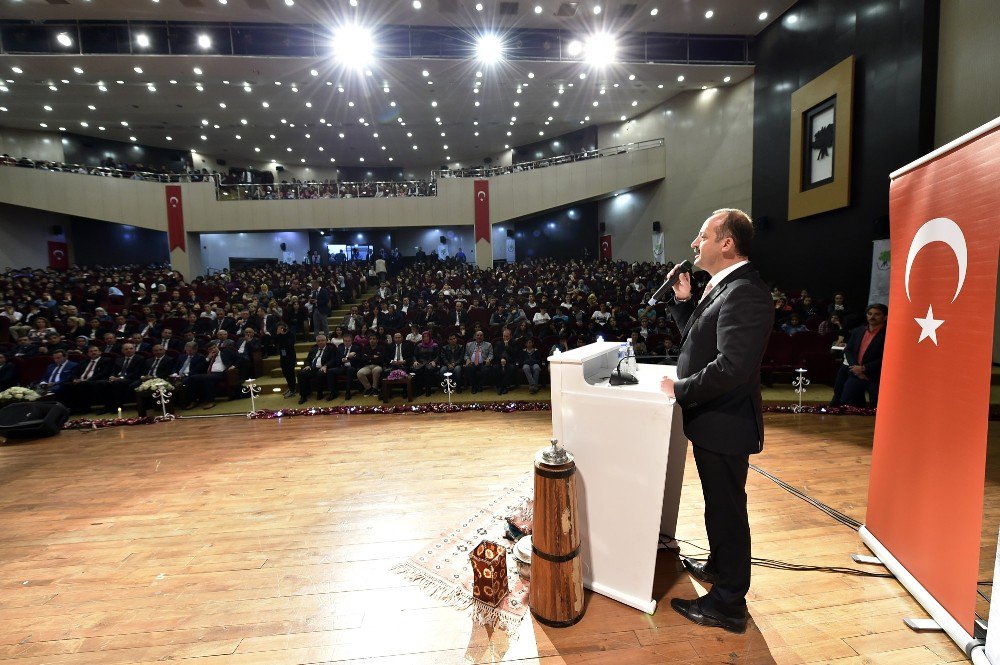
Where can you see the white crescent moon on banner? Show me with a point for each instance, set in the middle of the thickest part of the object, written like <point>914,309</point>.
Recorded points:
<point>58,254</point>
<point>174,200</point>
<point>481,195</point>
<point>943,230</point>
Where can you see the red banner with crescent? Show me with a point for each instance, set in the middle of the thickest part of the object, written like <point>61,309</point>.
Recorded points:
<point>604,247</point>
<point>481,189</point>
<point>925,497</point>
<point>175,218</point>
<point>58,255</point>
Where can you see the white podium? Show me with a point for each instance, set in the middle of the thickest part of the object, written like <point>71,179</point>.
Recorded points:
<point>630,448</point>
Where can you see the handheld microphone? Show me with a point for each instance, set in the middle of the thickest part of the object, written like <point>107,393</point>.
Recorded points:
<point>685,266</point>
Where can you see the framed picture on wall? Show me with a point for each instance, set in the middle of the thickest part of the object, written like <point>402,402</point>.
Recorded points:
<point>819,173</point>
<point>819,145</point>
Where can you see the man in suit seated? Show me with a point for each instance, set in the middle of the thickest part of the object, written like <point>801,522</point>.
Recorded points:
<point>120,386</point>
<point>312,376</point>
<point>398,355</point>
<point>245,350</point>
<point>506,354</point>
<point>203,388</point>
<point>478,361</point>
<point>862,368</point>
<point>57,377</point>
<point>352,358</point>
<point>370,373</point>
<point>8,373</point>
<point>451,359</point>
<point>189,364</point>
<point>88,379</point>
<point>160,366</point>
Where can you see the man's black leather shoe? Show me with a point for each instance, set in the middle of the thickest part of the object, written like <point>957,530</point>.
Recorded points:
<point>692,610</point>
<point>697,570</point>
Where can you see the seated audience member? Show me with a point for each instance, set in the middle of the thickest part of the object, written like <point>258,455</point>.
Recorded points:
<point>862,366</point>
<point>88,379</point>
<point>450,359</point>
<point>601,316</point>
<point>124,379</point>
<point>478,361</point>
<point>57,377</point>
<point>109,343</point>
<point>189,364</point>
<point>806,308</point>
<point>159,366</point>
<point>415,336</point>
<point>313,376</point>
<point>506,354</point>
<point>793,325</point>
<point>203,388</point>
<point>369,375</point>
<point>425,363</point>
<point>531,364</point>
<point>831,327</point>
<point>244,353</point>
<point>639,344</point>
<point>562,346</point>
<point>8,373</point>
<point>398,355</point>
<point>353,357</point>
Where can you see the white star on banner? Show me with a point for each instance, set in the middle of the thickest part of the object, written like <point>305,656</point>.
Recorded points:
<point>929,326</point>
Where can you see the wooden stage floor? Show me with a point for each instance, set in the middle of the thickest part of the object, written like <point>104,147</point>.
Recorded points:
<point>220,541</point>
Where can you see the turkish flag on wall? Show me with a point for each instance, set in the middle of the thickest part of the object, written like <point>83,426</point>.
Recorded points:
<point>481,189</point>
<point>175,218</point>
<point>58,255</point>
<point>605,248</point>
<point>925,496</point>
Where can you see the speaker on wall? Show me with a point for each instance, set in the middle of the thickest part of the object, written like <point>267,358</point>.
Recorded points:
<point>656,227</point>
<point>510,233</point>
<point>32,420</point>
<point>220,162</point>
<point>444,240</point>
<point>279,168</point>
<point>284,247</point>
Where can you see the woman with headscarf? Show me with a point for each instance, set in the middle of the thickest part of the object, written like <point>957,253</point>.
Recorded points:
<point>425,363</point>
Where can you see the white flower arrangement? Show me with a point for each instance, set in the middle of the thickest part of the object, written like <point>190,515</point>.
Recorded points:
<point>152,385</point>
<point>18,394</point>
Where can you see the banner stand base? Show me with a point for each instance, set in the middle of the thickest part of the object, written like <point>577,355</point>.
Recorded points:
<point>922,625</point>
<point>867,560</point>
<point>972,647</point>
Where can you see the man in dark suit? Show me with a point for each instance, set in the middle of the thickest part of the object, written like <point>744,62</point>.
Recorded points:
<point>862,366</point>
<point>321,307</point>
<point>189,364</point>
<point>202,388</point>
<point>57,376</point>
<point>8,373</point>
<point>120,386</point>
<point>313,373</point>
<point>245,348</point>
<point>160,366</point>
<point>89,377</point>
<point>352,358</point>
<point>506,354</point>
<point>398,355</point>
<point>169,342</point>
<point>718,389</point>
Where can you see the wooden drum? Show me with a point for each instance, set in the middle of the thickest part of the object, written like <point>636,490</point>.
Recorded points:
<point>556,592</point>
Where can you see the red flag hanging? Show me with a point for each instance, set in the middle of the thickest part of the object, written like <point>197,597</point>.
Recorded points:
<point>926,486</point>
<point>481,188</point>
<point>58,255</point>
<point>175,218</point>
<point>605,254</point>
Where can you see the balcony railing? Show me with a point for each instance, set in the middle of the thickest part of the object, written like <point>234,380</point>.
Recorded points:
<point>107,172</point>
<point>326,190</point>
<point>488,172</point>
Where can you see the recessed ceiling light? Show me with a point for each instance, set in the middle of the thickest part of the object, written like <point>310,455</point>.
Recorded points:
<point>169,138</point>
<point>538,9</point>
<point>415,147</point>
<point>199,88</point>
<point>289,3</point>
<point>631,77</point>
<point>17,70</point>
<point>541,133</point>
<point>727,79</point>
<point>265,105</point>
<point>680,78</point>
<point>434,103</point>
<point>102,88</point>
<point>77,70</point>
<point>596,103</point>
<point>53,88</point>
<point>64,39</point>
<point>792,18</point>
<point>709,14</point>
<point>204,41</point>
<point>417,4</point>
<point>623,118</point>
<point>197,71</point>
<point>635,103</point>
<point>762,16</point>
<point>597,9</point>
<point>654,11</point>
<point>660,86</point>
<point>47,107</point>
<point>256,149</point>
<point>124,123</point>
<point>151,88</point>
<point>341,135</point>
<point>479,6</point>
<point>142,39</point>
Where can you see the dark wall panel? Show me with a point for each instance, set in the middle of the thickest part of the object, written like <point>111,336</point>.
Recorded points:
<point>562,234</point>
<point>894,43</point>
<point>104,243</point>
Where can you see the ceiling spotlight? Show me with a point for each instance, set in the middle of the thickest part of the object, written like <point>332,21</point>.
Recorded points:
<point>762,16</point>
<point>680,79</point>
<point>597,9</point>
<point>654,11</point>
<point>169,138</point>
<point>197,71</point>
<point>64,39</point>
<point>479,6</point>
<point>353,46</point>
<point>727,79</point>
<point>199,88</point>
<point>425,73</point>
<point>709,14</point>
<point>489,49</point>
<point>538,9</point>
<point>555,103</point>
<point>53,88</point>
<point>600,49</point>
<point>77,70</point>
<point>792,19</point>
<point>631,77</point>
<point>635,102</point>
<point>17,70</point>
<point>417,4</point>
<point>47,107</point>
<point>204,41</point>
<point>434,104</point>
<point>574,48</point>
<point>137,70</point>
<point>289,3</point>
<point>142,40</point>
<point>265,105</point>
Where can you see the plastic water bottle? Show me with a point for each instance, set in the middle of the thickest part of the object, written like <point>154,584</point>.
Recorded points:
<point>622,356</point>
<point>630,355</point>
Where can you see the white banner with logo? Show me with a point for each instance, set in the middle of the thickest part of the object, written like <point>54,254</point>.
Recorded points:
<point>511,247</point>
<point>659,256</point>
<point>878,291</point>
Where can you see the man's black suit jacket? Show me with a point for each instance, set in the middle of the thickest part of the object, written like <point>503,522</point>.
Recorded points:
<point>8,375</point>
<point>330,354</point>
<point>163,370</point>
<point>134,370</point>
<point>872,361</point>
<point>102,370</point>
<point>718,371</point>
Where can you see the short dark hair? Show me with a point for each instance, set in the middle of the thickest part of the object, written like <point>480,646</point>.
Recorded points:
<point>879,306</point>
<point>738,226</point>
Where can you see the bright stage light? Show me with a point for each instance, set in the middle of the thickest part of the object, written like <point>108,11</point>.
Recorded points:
<point>574,48</point>
<point>353,46</point>
<point>490,49</point>
<point>600,49</point>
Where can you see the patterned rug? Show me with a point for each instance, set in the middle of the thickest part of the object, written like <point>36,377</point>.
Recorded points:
<point>442,566</point>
